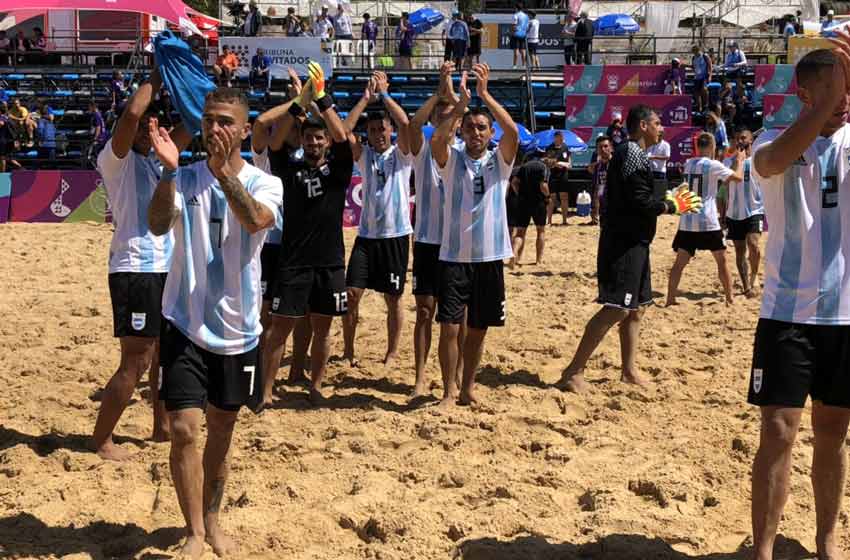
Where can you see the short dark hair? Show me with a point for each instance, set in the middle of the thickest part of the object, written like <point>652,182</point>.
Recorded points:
<point>559,133</point>
<point>377,115</point>
<point>532,14</point>
<point>741,129</point>
<point>810,66</point>
<point>705,140</point>
<point>366,15</point>
<point>637,115</point>
<point>227,95</point>
<point>313,123</point>
<point>602,138</point>
<point>519,5</point>
<point>476,111</point>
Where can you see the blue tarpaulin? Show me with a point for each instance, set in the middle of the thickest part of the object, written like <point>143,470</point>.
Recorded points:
<point>615,24</point>
<point>184,77</point>
<point>546,138</point>
<point>425,19</point>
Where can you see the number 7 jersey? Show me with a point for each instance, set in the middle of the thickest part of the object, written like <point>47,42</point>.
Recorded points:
<point>704,176</point>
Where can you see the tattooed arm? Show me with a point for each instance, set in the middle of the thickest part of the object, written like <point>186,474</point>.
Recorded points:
<point>254,216</point>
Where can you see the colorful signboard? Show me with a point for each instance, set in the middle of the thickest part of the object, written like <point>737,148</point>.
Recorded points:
<point>5,196</point>
<point>781,110</point>
<point>614,78</point>
<point>773,78</point>
<point>599,110</point>
<point>680,139</point>
<point>57,196</point>
<point>798,47</point>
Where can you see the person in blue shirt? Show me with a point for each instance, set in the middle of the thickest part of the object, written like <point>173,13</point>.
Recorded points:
<point>458,35</point>
<point>736,61</point>
<point>261,66</point>
<point>519,30</point>
<point>46,137</point>
<point>701,64</point>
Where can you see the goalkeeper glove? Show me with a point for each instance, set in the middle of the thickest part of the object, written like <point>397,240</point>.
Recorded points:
<point>683,201</point>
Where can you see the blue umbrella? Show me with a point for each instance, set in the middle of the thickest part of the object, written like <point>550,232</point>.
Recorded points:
<point>527,141</point>
<point>615,24</point>
<point>546,138</point>
<point>425,19</point>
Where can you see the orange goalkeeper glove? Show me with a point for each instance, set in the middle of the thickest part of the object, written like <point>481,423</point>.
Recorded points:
<point>684,200</point>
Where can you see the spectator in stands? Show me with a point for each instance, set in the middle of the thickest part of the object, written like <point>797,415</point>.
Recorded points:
<point>225,66</point>
<point>533,39</point>
<point>675,78</point>
<point>5,46</point>
<point>568,36</point>
<point>616,132</point>
<point>97,128</point>
<point>322,27</point>
<point>21,121</point>
<point>476,29</point>
<point>829,20</point>
<point>798,22</point>
<point>736,60</point>
<point>304,29</point>
<point>584,39</point>
<point>118,90</point>
<point>458,35</point>
<point>46,137</point>
<point>39,41</point>
<point>291,24</point>
<point>743,107</point>
<point>20,45</point>
<point>726,98</point>
<point>253,21</point>
<point>343,31</point>
<point>405,35</point>
<point>790,29</point>
<point>7,139</point>
<point>261,71</point>
<point>369,34</point>
<point>519,32</point>
<point>701,64</point>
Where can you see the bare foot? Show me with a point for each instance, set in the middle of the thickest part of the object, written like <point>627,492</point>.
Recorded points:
<point>729,302</point>
<point>297,378</point>
<point>671,302</point>
<point>466,398</point>
<point>751,293</point>
<point>192,549</point>
<point>317,398</point>
<point>447,402</point>
<point>109,451</point>
<point>161,435</point>
<point>352,361</point>
<point>390,357</point>
<point>419,390</point>
<point>634,379</point>
<point>574,383</point>
<point>829,550</point>
<point>221,544</point>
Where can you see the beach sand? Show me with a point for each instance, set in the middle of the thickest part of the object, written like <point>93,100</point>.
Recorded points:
<point>531,473</point>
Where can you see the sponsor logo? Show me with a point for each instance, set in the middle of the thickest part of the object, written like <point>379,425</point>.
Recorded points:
<point>194,201</point>
<point>627,300</point>
<point>275,303</point>
<point>758,377</point>
<point>613,82</point>
<point>138,320</point>
<point>325,170</point>
<point>263,286</point>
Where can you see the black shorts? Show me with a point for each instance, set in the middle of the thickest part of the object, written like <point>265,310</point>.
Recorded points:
<point>512,209</point>
<point>478,287</point>
<point>623,272</point>
<point>792,361</point>
<point>693,241</point>
<point>379,264</point>
<point>699,84</point>
<point>268,264</point>
<point>532,48</point>
<point>737,230</point>
<point>474,49</point>
<point>526,213</point>
<point>426,269</point>
<point>405,51</point>
<point>136,303</point>
<point>458,48</point>
<point>191,376</point>
<point>559,185</point>
<point>517,43</point>
<point>303,290</point>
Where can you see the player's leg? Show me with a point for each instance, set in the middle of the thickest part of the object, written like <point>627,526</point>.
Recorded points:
<point>723,274</point>
<point>540,243</point>
<point>220,424</point>
<point>564,197</point>
<point>391,272</point>
<point>754,255</point>
<point>629,341</point>
<point>519,244</point>
<point>741,263</point>
<point>301,336</point>
<point>188,476</point>
<point>683,257</point>
<point>395,319</point>
<point>452,296</point>
<point>473,347</point>
<point>829,468</point>
<point>319,353</point>
<point>349,324</point>
<point>356,281</point>
<point>272,352</point>
<point>550,209</point>
<point>425,308</point>
<point>572,378</point>
<point>449,352</point>
<point>160,415</point>
<point>461,340</point>
<point>136,357</point>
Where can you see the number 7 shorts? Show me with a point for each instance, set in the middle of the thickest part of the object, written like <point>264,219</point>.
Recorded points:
<point>379,264</point>
<point>191,377</point>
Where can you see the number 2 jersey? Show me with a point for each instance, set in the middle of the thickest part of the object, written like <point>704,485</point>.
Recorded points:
<point>806,277</point>
<point>313,206</point>
<point>704,176</point>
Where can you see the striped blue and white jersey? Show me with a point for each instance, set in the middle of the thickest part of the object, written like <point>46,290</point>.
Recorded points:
<point>385,193</point>
<point>261,162</point>
<point>744,198</point>
<point>429,196</point>
<point>212,294</point>
<point>130,183</point>
<point>475,222</point>
<point>704,176</point>
<point>806,277</point>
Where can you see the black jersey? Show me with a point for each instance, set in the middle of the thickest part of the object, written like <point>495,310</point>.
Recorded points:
<point>313,206</point>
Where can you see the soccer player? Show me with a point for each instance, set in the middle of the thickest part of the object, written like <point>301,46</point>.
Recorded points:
<point>802,341</point>
<point>378,259</point>
<point>701,231</point>
<point>745,216</point>
<point>138,263</point>
<point>475,236</point>
<point>428,232</point>
<point>630,210</point>
<point>219,209</point>
<point>311,268</point>
<point>533,202</point>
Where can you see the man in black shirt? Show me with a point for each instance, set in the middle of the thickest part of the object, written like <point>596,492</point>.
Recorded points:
<point>629,212</point>
<point>476,28</point>
<point>558,159</point>
<point>311,269</point>
<point>532,204</point>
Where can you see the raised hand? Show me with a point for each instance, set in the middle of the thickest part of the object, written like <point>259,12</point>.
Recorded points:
<point>307,95</point>
<point>482,76</point>
<point>294,82</point>
<point>163,146</point>
<point>219,146</point>
<point>465,94</point>
<point>684,200</point>
<point>317,78</point>
<point>841,72</point>
<point>382,84</point>
<point>445,78</point>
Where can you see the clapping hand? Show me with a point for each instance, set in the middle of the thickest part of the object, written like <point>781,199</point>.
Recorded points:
<point>219,145</point>
<point>482,76</point>
<point>163,146</point>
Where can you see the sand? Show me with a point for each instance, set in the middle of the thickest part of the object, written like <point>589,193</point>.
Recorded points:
<point>532,473</point>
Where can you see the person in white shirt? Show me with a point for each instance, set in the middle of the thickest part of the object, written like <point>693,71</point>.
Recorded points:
<point>702,231</point>
<point>343,31</point>
<point>475,239</point>
<point>378,260</point>
<point>533,39</point>
<point>138,263</point>
<point>659,155</point>
<point>744,214</point>
<point>219,209</point>
<point>802,340</point>
<point>322,27</point>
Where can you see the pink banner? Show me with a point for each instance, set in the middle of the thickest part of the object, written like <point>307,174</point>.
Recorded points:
<point>5,196</point>
<point>680,139</point>
<point>57,196</point>
<point>353,202</point>
<point>599,110</point>
<point>613,79</point>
